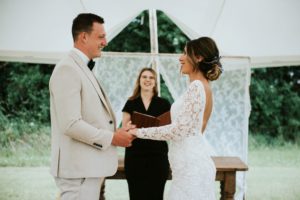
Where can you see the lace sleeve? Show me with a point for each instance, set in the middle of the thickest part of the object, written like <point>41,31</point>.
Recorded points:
<point>186,123</point>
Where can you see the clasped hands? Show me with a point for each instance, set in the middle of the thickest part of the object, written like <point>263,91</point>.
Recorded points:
<point>124,136</point>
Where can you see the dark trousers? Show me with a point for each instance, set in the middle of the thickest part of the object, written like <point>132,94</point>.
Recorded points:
<point>146,190</point>
<point>146,176</point>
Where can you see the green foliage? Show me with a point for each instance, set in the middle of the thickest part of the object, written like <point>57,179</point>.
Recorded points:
<point>24,100</point>
<point>170,38</point>
<point>136,37</point>
<point>275,101</point>
<point>24,91</point>
<point>164,91</point>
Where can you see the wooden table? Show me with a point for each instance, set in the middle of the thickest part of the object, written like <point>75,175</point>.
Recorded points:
<point>226,174</point>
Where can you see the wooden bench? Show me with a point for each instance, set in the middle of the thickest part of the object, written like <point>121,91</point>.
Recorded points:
<point>226,174</point>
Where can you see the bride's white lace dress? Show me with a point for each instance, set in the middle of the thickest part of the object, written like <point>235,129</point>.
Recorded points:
<point>193,171</point>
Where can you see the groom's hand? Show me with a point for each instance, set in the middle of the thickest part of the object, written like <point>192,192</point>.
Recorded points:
<point>122,138</point>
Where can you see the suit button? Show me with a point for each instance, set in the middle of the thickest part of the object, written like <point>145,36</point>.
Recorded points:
<point>110,121</point>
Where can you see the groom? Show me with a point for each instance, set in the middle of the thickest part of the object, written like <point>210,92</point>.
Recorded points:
<point>83,125</point>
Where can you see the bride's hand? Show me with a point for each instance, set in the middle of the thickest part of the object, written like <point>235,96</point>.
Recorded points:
<point>133,131</point>
<point>129,126</point>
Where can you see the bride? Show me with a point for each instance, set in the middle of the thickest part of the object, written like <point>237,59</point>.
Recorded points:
<point>193,171</point>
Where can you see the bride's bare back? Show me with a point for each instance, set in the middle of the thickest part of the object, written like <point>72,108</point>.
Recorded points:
<point>208,105</point>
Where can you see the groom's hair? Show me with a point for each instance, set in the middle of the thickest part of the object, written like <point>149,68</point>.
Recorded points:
<point>84,23</point>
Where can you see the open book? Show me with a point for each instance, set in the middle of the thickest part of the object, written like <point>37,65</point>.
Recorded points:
<point>144,121</point>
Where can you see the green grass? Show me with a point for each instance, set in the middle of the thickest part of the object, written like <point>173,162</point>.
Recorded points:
<point>282,156</point>
<point>30,150</point>
<point>26,183</point>
<point>273,183</point>
<point>274,171</point>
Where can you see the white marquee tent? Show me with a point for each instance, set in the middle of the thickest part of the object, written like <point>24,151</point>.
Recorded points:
<point>266,31</point>
<point>249,33</point>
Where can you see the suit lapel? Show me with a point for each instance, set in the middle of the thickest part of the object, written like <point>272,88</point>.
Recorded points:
<point>94,82</point>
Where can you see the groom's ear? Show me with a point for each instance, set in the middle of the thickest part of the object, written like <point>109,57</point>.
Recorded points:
<point>82,37</point>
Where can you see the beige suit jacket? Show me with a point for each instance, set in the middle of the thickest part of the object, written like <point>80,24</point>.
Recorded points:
<point>82,123</point>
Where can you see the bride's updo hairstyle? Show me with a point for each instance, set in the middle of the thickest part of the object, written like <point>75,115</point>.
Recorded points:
<point>206,48</point>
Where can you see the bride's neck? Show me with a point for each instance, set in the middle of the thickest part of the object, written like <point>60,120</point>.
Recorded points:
<point>197,76</point>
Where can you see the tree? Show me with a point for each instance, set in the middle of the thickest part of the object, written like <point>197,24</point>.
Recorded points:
<point>136,36</point>
<point>275,101</point>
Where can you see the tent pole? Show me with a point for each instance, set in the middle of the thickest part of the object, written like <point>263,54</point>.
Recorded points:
<point>154,44</point>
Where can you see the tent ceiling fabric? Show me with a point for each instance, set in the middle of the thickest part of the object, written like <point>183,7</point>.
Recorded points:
<point>37,26</point>
<point>267,31</point>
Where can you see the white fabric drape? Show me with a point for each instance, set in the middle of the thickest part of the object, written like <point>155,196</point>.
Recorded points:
<point>227,130</point>
<point>170,70</point>
<point>118,73</point>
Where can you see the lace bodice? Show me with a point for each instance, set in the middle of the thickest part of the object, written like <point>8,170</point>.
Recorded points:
<point>187,122</point>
